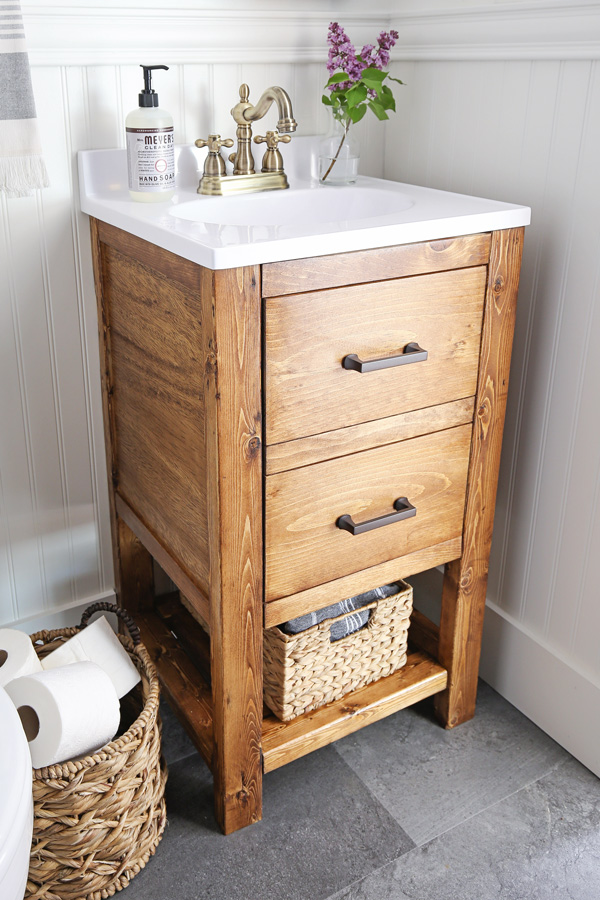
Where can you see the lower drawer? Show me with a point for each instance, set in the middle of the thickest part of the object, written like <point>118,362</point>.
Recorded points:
<point>305,546</point>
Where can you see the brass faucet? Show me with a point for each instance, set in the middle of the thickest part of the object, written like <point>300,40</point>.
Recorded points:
<point>244,178</point>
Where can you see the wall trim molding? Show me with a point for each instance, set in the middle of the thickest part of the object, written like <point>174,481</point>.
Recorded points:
<point>65,615</point>
<point>558,696</point>
<point>107,35</point>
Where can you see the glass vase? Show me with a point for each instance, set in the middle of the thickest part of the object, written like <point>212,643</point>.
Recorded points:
<point>339,152</point>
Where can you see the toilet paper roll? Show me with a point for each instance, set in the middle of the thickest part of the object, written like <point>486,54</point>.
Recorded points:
<point>98,643</point>
<point>17,655</point>
<point>66,712</point>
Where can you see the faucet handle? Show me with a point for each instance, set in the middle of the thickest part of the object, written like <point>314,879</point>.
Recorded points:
<point>271,139</point>
<point>214,143</point>
<point>214,164</point>
<point>272,160</point>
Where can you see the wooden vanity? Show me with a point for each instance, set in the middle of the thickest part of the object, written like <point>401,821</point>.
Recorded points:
<point>236,438</point>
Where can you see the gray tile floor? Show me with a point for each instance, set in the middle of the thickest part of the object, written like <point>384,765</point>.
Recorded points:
<point>402,810</point>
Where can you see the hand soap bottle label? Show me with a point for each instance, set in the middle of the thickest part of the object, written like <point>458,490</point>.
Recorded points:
<point>150,159</point>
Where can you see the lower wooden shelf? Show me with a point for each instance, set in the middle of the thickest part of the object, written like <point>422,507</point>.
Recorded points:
<point>284,741</point>
<point>181,665</point>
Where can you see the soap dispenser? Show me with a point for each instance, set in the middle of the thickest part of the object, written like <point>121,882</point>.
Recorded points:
<point>150,147</point>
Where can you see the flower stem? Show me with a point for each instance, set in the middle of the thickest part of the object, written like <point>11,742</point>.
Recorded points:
<point>333,161</point>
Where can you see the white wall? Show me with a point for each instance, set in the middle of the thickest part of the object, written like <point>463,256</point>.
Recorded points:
<point>507,105</point>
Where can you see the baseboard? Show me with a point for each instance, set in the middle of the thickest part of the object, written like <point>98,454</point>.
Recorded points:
<point>560,699</point>
<point>61,617</point>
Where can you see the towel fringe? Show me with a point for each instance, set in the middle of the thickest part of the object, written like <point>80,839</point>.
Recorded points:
<point>20,175</point>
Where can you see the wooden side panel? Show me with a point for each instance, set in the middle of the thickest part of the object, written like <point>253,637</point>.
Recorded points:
<point>465,582</point>
<point>305,548</point>
<point>175,268</point>
<point>297,275</point>
<point>134,578</point>
<point>307,336</point>
<point>233,434</point>
<point>158,406</point>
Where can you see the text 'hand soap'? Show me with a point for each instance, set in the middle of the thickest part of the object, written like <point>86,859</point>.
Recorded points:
<point>150,147</point>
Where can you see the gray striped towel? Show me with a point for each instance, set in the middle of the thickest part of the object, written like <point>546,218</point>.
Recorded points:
<point>21,165</point>
<point>345,626</point>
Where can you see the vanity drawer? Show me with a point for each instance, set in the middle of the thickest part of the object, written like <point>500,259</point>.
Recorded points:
<point>307,337</point>
<point>304,545</point>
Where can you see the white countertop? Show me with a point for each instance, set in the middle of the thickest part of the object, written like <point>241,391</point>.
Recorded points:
<point>306,220</point>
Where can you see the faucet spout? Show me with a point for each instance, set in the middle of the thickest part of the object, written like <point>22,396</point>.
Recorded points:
<point>286,123</point>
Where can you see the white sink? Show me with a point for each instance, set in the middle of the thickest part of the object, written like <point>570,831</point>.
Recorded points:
<point>301,207</point>
<point>306,220</point>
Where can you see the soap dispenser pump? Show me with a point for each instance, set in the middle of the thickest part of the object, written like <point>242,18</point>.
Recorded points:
<point>150,146</point>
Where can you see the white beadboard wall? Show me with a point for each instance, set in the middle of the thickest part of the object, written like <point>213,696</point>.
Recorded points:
<point>521,122</point>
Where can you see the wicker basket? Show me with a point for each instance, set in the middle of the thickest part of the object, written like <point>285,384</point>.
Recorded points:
<point>304,671</point>
<point>99,818</point>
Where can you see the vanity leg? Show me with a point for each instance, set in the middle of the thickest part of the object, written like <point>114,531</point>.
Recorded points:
<point>465,581</point>
<point>232,351</point>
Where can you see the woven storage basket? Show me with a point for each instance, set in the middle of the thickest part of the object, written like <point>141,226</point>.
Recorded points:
<point>99,818</point>
<point>304,671</point>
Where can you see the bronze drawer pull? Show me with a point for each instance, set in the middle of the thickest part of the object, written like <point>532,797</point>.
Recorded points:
<point>412,353</point>
<point>404,510</point>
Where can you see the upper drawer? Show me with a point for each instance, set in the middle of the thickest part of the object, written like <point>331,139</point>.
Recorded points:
<point>308,335</point>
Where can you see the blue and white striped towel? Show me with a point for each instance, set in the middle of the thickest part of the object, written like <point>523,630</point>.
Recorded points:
<point>22,168</point>
<point>345,626</point>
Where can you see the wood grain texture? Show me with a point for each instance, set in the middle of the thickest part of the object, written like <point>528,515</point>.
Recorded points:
<point>283,742</point>
<point>354,438</point>
<point>308,335</point>
<point>232,365</point>
<point>181,682</point>
<point>173,569</point>
<point>158,406</point>
<point>294,276</point>
<point>424,634</point>
<point>305,548</point>
<point>175,269</point>
<point>132,564</point>
<point>190,634</point>
<point>278,611</point>
<point>465,582</point>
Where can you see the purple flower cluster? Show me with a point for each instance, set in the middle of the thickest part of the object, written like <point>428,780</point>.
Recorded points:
<point>342,54</point>
<point>379,57</point>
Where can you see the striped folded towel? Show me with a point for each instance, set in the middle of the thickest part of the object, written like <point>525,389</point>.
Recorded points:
<point>22,168</point>
<point>345,626</point>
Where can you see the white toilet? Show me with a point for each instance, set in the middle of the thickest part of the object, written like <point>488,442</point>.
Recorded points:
<point>16,802</point>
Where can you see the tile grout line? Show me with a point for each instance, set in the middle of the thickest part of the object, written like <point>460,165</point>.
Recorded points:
<point>386,865</point>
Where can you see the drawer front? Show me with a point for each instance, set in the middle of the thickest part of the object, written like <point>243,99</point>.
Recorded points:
<point>304,545</point>
<point>307,337</point>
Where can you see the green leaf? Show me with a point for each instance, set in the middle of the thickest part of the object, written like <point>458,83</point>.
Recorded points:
<point>372,77</point>
<point>356,95</point>
<point>339,76</point>
<point>397,80</point>
<point>387,98</point>
<point>357,112</point>
<point>378,110</point>
<point>326,99</point>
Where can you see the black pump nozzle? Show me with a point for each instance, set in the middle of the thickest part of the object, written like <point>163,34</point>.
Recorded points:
<point>149,97</point>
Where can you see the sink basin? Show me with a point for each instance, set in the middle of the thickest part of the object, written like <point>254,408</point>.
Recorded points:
<point>303,207</point>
